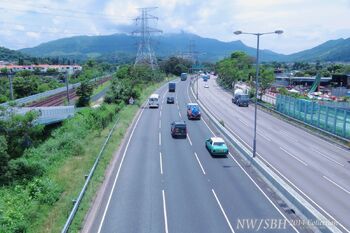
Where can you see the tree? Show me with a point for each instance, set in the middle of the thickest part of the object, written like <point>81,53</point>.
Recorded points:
<point>237,67</point>
<point>4,157</point>
<point>25,86</point>
<point>175,65</point>
<point>84,92</point>
<point>267,78</point>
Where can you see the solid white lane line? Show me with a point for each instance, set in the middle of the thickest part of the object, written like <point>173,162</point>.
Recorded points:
<point>160,139</point>
<point>161,162</point>
<point>164,212</point>
<point>304,194</point>
<point>223,211</point>
<point>117,175</point>
<point>189,139</point>
<point>285,178</point>
<point>200,164</point>
<point>288,153</point>
<point>337,147</point>
<point>339,186</point>
<point>208,127</point>
<point>330,159</point>
<point>267,197</point>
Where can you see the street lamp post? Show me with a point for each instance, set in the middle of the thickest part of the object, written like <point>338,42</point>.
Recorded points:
<point>256,77</point>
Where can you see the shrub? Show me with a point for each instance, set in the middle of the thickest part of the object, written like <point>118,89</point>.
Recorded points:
<point>44,190</point>
<point>23,169</point>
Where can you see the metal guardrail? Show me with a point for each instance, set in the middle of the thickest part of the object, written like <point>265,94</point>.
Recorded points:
<point>294,197</point>
<point>45,94</point>
<point>82,192</point>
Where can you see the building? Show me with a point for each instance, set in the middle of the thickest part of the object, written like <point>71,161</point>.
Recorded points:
<point>43,68</point>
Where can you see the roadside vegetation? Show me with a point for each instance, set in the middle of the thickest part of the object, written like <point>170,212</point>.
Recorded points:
<point>42,171</point>
<point>240,67</point>
<point>26,83</point>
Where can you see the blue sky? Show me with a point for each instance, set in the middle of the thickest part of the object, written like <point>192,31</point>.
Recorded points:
<point>306,23</point>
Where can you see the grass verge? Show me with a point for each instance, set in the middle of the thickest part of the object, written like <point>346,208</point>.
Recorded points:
<point>71,174</point>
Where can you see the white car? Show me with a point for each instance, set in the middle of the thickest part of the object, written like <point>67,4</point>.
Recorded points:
<point>206,85</point>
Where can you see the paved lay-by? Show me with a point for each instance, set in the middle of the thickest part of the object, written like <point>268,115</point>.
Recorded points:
<point>174,185</point>
<point>319,169</point>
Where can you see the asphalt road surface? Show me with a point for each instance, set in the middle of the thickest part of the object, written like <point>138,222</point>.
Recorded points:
<point>174,185</point>
<point>318,169</point>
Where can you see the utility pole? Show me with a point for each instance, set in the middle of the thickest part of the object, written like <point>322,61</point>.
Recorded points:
<point>145,54</point>
<point>67,86</point>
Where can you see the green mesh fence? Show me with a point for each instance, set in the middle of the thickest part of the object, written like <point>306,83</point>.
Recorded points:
<point>332,119</point>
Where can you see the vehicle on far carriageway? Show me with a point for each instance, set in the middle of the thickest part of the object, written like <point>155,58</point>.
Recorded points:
<point>178,129</point>
<point>216,146</point>
<point>242,100</point>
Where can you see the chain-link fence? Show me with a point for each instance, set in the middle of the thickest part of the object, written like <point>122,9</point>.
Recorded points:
<point>332,119</point>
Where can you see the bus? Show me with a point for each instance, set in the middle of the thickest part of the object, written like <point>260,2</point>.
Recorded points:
<point>153,101</point>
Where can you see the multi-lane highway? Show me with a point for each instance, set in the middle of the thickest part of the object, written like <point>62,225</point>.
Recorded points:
<point>317,169</point>
<point>161,184</point>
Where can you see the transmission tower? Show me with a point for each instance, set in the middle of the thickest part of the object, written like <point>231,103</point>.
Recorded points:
<point>192,53</point>
<point>145,54</point>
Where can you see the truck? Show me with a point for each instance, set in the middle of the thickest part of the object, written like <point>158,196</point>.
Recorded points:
<point>193,111</point>
<point>172,87</point>
<point>183,76</point>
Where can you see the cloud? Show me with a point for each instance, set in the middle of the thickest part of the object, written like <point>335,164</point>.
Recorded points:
<point>306,23</point>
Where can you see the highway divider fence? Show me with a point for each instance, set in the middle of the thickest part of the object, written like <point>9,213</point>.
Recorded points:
<point>332,119</point>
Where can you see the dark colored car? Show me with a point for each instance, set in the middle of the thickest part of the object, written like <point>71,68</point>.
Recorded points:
<point>243,100</point>
<point>178,129</point>
<point>170,100</point>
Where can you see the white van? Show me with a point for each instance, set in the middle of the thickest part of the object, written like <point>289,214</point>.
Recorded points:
<point>153,101</point>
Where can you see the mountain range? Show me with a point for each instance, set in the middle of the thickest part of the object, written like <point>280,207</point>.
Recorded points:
<point>124,46</point>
